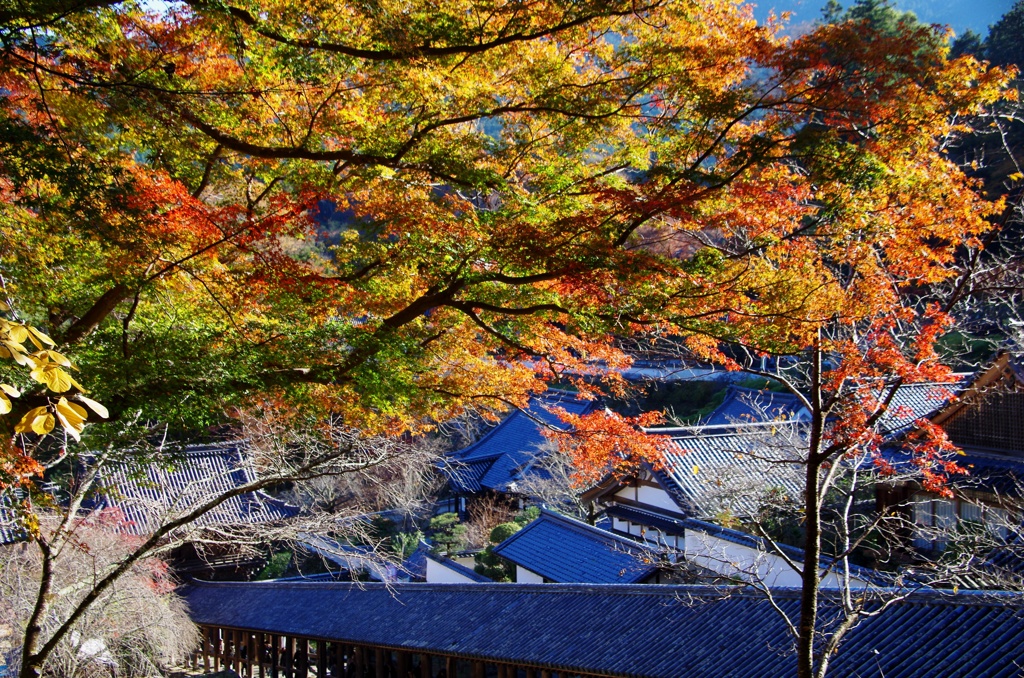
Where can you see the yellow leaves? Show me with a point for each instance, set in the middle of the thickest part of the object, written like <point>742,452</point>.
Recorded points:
<point>55,378</point>
<point>72,417</point>
<point>38,420</point>
<point>94,406</point>
<point>47,367</point>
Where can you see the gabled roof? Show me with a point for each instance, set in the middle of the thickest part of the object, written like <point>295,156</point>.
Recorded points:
<point>709,470</point>
<point>747,405</point>
<point>641,631</point>
<point>146,493</point>
<point>501,456</point>
<point>565,550</point>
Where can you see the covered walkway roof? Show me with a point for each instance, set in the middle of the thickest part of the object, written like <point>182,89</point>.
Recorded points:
<point>623,630</point>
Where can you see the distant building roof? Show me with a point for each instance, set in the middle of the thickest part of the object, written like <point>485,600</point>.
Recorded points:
<point>565,550</point>
<point>505,453</point>
<point>146,493</point>
<point>709,470</point>
<point>10,528</point>
<point>917,401</point>
<point>456,566</point>
<point>648,631</point>
<point>748,405</point>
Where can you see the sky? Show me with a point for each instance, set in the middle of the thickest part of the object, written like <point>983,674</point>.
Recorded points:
<point>960,14</point>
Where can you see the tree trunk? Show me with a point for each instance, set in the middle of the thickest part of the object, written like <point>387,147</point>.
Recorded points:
<point>810,579</point>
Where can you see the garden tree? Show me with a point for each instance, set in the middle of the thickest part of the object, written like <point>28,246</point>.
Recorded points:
<point>447,532</point>
<point>491,565</point>
<point>512,184</point>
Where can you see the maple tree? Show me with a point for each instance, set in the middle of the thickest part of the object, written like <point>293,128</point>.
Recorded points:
<point>394,212</point>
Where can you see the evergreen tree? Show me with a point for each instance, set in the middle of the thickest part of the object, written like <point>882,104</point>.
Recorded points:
<point>1005,43</point>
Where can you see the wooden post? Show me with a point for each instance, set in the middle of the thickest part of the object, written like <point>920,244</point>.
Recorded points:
<point>254,660</point>
<point>451,666</point>
<point>215,636</point>
<point>403,664</point>
<point>321,659</point>
<point>236,651</point>
<point>207,649</point>
<point>426,670</point>
<point>289,654</point>
<point>530,673</point>
<point>261,644</point>
<point>360,659</point>
<point>378,656</point>
<point>275,654</point>
<point>479,670</point>
<point>302,658</point>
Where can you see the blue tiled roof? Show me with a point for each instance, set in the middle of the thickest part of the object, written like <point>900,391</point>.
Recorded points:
<point>498,459</point>
<point>649,631</point>
<point>713,469</point>
<point>565,550</point>
<point>145,494</point>
<point>747,405</point>
<point>917,401</point>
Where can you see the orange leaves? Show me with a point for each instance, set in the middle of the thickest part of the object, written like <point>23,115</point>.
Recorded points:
<point>603,442</point>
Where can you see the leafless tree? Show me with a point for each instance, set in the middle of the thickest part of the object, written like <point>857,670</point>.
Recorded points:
<point>136,628</point>
<point>284,455</point>
<point>549,480</point>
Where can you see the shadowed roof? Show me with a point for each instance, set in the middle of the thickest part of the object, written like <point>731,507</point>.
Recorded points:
<point>565,550</point>
<point>747,405</point>
<point>713,469</point>
<point>625,630</point>
<point>146,493</point>
<point>501,456</point>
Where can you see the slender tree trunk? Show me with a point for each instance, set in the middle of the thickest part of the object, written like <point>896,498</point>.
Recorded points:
<point>810,579</point>
<point>31,662</point>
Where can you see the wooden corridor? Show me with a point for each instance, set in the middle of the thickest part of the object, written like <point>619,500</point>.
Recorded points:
<point>254,654</point>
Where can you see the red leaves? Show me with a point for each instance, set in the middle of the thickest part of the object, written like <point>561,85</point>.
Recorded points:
<point>604,442</point>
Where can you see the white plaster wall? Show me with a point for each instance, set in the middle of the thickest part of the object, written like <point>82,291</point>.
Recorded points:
<point>524,576</point>
<point>736,560</point>
<point>438,573</point>
<point>657,497</point>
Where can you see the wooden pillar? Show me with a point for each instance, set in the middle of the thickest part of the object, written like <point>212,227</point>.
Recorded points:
<point>302,658</point>
<point>451,666</point>
<point>426,670</point>
<point>275,654</point>
<point>378,656</point>
<point>233,653</point>
<point>207,649</point>
<point>260,641</point>
<point>479,670</point>
<point>359,655</point>
<point>321,659</point>
<point>253,656</point>
<point>403,664</point>
<point>530,673</point>
<point>289,655</point>
<point>215,635</point>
